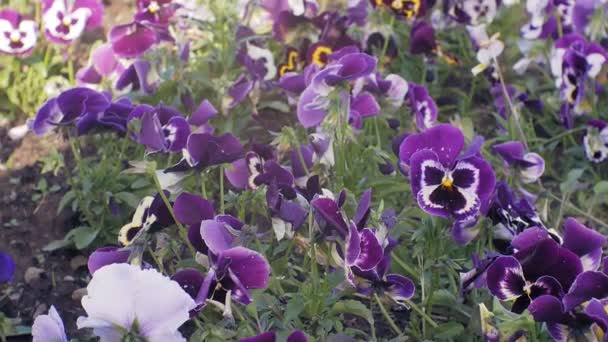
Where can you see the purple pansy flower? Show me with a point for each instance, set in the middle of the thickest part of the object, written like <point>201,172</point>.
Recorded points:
<point>422,105</point>
<point>511,215</point>
<point>155,11</point>
<point>506,281</point>
<point>151,215</point>
<point>68,108</point>
<point>204,149</point>
<point>271,336</point>
<point>65,20</point>
<point>596,310</point>
<point>133,39</point>
<point>18,35</point>
<point>532,165</point>
<point>584,242</point>
<point>114,117</point>
<point>163,129</point>
<point>191,210</point>
<point>137,76</point>
<point>443,183</point>
<point>345,65</point>
<point>7,267</point>
<point>105,256</point>
<point>237,269</point>
<point>573,60</point>
<point>103,63</point>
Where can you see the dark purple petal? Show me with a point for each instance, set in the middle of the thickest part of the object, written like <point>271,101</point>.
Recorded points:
<point>206,150</point>
<point>529,238</point>
<point>511,151</point>
<point>7,267</point>
<point>46,115</point>
<point>239,90</point>
<point>583,241</point>
<point>444,140</point>
<point>371,251</point>
<point>151,133</point>
<point>238,174</point>
<point>191,209</point>
<point>365,105</point>
<point>136,75</point>
<point>250,267</point>
<point>505,278</point>
<point>203,114</point>
<point>328,209</point>
<point>190,280</point>
<point>216,236</point>
<point>268,336</point>
<point>547,309</point>
<point>363,209</point>
<point>399,287</point>
<point>587,285</point>
<point>106,256</point>
<point>597,311</point>
<point>422,38</point>
<point>132,40</point>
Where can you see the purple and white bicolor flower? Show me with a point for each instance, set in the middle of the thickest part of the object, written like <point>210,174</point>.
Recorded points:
<point>346,65</point>
<point>572,61</point>
<point>584,242</point>
<point>531,165</point>
<point>124,300</point>
<point>596,140</point>
<point>366,258</point>
<point>505,280</point>
<point>444,182</point>
<point>234,269</point>
<point>163,129</point>
<point>18,35</point>
<point>49,328</point>
<point>422,105</point>
<point>65,21</point>
<point>155,11</point>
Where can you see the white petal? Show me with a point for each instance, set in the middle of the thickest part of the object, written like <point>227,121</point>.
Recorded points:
<point>596,61</point>
<point>161,305</point>
<point>256,53</point>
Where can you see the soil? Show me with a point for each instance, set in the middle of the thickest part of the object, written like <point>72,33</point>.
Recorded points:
<point>28,222</point>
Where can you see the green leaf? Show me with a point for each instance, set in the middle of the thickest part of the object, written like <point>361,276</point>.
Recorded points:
<point>293,309</point>
<point>601,188</point>
<point>449,330</point>
<point>128,198</point>
<point>56,244</point>
<point>571,183</point>
<point>353,307</point>
<point>82,236</point>
<point>65,200</point>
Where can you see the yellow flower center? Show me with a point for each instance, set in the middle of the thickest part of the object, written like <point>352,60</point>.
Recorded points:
<point>319,56</point>
<point>447,182</point>
<point>15,37</point>
<point>66,21</point>
<point>153,7</point>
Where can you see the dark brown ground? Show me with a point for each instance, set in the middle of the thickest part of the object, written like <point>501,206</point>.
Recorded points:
<point>27,225</point>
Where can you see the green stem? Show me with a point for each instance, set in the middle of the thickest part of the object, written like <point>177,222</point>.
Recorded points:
<point>407,268</point>
<point>71,65</point>
<point>183,232</point>
<point>514,110</point>
<point>388,317</point>
<point>203,185</point>
<point>426,317</point>
<point>242,318</point>
<point>79,196</point>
